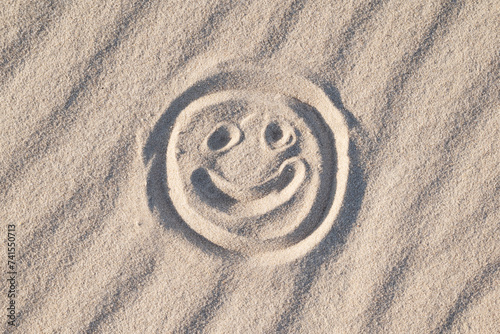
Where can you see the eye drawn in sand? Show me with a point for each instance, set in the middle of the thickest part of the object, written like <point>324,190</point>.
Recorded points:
<point>254,163</point>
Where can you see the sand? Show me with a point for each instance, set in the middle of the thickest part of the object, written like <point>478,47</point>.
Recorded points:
<point>250,167</point>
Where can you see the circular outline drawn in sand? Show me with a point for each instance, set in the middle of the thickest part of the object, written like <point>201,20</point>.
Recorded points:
<point>242,81</point>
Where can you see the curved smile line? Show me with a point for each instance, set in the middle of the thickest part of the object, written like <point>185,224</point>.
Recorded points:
<point>267,195</point>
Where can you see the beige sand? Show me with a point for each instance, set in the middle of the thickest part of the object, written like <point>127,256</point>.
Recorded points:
<point>251,167</point>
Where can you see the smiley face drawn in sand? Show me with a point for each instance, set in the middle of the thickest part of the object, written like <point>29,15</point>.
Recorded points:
<point>250,164</point>
<point>254,163</point>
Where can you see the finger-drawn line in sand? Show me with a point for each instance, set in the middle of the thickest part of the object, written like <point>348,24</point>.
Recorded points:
<point>256,163</point>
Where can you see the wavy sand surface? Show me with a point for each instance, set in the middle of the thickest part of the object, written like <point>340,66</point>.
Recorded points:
<point>251,167</point>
